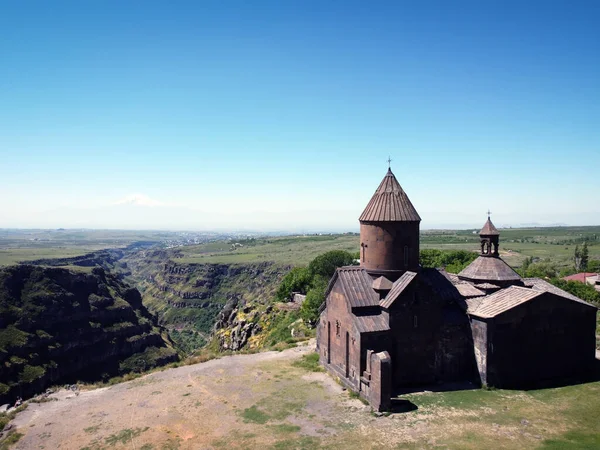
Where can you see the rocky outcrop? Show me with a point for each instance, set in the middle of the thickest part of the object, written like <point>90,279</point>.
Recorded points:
<point>61,326</point>
<point>235,325</point>
<point>191,298</point>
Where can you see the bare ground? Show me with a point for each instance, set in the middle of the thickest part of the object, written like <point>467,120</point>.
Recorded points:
<point>264,401</point>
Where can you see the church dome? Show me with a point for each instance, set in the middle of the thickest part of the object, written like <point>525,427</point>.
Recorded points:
<point>390,203</point>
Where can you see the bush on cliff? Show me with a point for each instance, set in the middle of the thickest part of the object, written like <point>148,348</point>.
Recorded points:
<point>312,281</point>
<point>296,280</point>
<point>309,311</point>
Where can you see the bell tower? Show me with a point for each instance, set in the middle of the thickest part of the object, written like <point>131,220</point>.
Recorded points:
<point>489,237</point>
<point>389,232</point>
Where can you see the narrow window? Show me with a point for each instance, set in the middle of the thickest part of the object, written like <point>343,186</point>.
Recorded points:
<point>328,342</point>
<point>337,328</point>
<point>415,322</point>
<point>347,355</point>
<point>405,255</point>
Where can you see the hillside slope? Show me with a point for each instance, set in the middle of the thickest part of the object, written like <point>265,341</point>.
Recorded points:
<point>190,298</point>
<point>59,326</point>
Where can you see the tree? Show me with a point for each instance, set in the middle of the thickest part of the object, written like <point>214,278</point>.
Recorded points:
<point>309,311</point>
<point>324,265</point>
<point>594,265</point>
<point>542,269</point>
<point>452,260</point>
<point>584,257</point>
<point>577,258</point>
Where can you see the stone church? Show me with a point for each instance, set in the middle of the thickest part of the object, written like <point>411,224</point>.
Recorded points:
<point>390,323</point>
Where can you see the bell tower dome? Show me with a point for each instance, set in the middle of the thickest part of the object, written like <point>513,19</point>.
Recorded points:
<point>389,232</point>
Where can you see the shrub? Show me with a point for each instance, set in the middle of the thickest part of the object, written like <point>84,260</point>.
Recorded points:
<point>11,336</point>
<point>31,373</point>
<point>280,331</point>
<point>309,311</point>
<point>296,280</point>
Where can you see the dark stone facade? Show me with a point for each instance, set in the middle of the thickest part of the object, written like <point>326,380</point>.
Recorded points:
<point>388,323</point>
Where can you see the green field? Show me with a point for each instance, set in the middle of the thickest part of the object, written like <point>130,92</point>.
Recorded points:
<point>556,244</point>
<point>29,245</point>
<point>293,250</point>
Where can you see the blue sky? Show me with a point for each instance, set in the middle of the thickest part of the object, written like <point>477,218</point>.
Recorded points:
<point>281,115</point>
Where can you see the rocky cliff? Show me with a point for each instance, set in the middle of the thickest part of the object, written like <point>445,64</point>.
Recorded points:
<point>59,326</point>
<point>189,299</point>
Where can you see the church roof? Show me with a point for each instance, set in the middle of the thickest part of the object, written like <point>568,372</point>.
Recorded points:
<point>370,324</point>
<point>489,269</point>
<point>382,284</point>
<point>442,283</point>
<point>489,229</point>
<point>389,203</point>
<point>356,284</point>
<point>467,290</point>
<point>537,284</point>
<point>505,299</point>
<point>399,285</point>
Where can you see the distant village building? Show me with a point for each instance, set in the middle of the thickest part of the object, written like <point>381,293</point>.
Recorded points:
<point>390,323</point>
<point>586,277</point>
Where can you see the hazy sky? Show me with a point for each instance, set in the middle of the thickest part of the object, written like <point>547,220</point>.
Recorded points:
<point>281,115</point>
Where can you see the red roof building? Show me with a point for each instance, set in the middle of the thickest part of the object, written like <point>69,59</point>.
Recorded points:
<point>584,277</point>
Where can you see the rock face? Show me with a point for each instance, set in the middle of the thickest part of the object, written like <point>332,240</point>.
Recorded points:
<point>60,326</point>
<point>194,301</point>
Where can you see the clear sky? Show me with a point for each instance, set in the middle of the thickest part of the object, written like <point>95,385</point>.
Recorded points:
<point>281,115</point>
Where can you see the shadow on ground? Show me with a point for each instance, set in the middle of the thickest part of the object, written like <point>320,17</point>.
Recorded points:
<point>402,406</point>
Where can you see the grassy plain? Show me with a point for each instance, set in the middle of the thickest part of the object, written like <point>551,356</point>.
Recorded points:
<point>296,250</point>
<point>556,243</point>
<point>28,245</point>
<point>516,244</point>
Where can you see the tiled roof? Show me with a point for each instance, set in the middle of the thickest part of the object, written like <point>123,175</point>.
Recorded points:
<point>487,286</point>
<point>357,286</point>
<point>440,282</point>
<point>502,301</point>
<point>505,299</point>
<point>473,303</point>
<point>390,203</point>
<point>538,284</point>
<point>489,269</point>
<point>369,324</point>
<point>464,288</point>
<point>399,285</point>
<point>382,284</point>
<point>489,229</point>
<point>468,290</point>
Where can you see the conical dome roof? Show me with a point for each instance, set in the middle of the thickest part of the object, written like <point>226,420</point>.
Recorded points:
<point>489,229</point>
<point>389,203</point>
